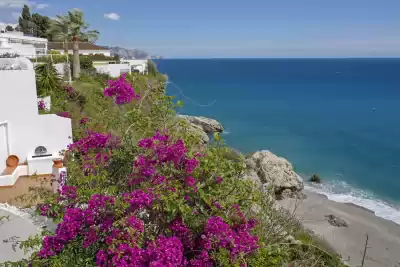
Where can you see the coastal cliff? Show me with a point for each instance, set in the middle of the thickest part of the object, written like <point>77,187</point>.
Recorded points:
<point>263,167</point>
<point>337,227</point>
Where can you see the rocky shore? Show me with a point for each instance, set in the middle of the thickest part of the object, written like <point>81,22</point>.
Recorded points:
<point>202,126</point>
<point>263,167</point>
<point>345,227</point>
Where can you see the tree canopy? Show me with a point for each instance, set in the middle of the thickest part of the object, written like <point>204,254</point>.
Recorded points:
<point>33,24</point>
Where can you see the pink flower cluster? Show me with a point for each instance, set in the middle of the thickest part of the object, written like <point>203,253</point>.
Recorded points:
<point>116,226</point>
<point>66,231</point>
<point>46,210</point>
<point>121,90</point>
<point>162,151</point>
<point>237,239</point>
<point>78,221</point>
<point>70,91</point>
<point>66,193</point>
<point>95,148</point>
<point>138,199</point>
<point>41,105</point>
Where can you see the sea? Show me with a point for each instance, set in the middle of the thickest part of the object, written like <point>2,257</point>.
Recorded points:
<point>338,118</point>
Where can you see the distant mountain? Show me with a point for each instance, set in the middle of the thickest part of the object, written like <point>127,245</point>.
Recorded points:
<point>129,53</point>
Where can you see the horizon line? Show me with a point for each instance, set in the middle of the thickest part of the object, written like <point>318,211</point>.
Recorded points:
<point>208,58</point>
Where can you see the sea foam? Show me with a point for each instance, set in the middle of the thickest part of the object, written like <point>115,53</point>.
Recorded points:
<point>340,191</point>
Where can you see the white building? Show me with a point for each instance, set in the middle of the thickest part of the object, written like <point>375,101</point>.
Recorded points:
<point>112,68</point>
<point>136,65</point>
<point>26,46</point>
<point>28,141</point>
<point>84,48</point>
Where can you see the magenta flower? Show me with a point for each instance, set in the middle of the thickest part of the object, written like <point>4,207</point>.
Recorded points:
<point>121,90</point>
<point>83,121</point>
<point>191,165</point>
<point>70,91</point>
<point>67,192</point>
<point>64,114</point>
<point>190,181</point>
<point>180,230</point>
<point>66,231</point>
<point>139,199</point>
<point>41,105</point>
<point>134,228</point>
<point>217,205</point>
<point>166,251</point>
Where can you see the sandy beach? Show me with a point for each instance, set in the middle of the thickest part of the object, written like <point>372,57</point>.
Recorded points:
<point>384,236</point>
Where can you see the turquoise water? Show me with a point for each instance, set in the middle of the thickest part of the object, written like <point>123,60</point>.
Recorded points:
<point>339,118</point>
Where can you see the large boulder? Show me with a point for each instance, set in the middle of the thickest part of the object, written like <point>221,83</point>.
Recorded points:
<point>208,125</point>
<point>277,172</point>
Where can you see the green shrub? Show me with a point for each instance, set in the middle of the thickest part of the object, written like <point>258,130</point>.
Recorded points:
<point>86,62</point>
<point>54,52</point>
<point>47,79</point>
<point>141,118</point>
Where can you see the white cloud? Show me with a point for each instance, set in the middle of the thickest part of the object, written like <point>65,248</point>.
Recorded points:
<point>112,16</point>
<point>41,6</point>
<point>15,3</point>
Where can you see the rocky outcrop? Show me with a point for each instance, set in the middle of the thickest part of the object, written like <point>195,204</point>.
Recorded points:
<point>336,221</point>
<point>202,126</point>
<point>196,129</point>
<point>252,176</point>
<point>277,172</point>
<point>315,179</point>
<point>208,125</point>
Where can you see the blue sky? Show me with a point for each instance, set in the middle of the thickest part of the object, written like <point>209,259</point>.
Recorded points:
<point>231,28</point>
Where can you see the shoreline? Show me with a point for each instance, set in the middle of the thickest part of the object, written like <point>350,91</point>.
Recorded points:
<point>349,242</point>
<point>362,214</point>
<point>361,198</point>
<point>357,197</point>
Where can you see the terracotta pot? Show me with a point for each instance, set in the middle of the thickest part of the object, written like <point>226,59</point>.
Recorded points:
<point>58,163</point>
<point>12,161</point>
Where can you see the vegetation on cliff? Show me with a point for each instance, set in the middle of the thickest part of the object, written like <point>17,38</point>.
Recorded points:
<point>143,190</point>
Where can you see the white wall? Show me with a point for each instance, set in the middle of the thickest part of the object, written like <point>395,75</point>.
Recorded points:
<point>26,50</point>
<point>3,142</point>
<point>88,52</point>
<point>27,128</point>
<point>138,64</point>
<point>114,70</point>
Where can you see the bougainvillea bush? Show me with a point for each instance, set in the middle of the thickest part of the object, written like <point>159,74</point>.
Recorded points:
<point>173,205</point>
<point>141,191</point>
<point>170,214</point>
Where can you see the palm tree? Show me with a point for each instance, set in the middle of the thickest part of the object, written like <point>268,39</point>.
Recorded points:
<point>72,27</point>
<point>59,30</point>
<point>79,31</point>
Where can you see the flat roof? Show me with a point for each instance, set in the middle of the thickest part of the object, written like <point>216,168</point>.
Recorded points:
<point>23,37</point>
